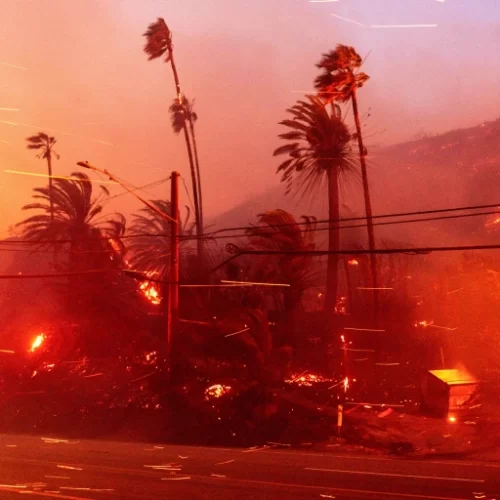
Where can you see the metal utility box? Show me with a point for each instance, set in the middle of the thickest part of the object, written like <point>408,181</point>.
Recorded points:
<point>448,392</point>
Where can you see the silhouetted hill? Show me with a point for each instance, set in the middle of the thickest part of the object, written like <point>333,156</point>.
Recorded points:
<point>458,168</point>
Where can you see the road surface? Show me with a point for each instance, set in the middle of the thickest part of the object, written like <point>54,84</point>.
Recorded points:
<point>74,470</point>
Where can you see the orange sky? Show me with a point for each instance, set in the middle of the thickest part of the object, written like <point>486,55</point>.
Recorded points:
<point>75,68</point>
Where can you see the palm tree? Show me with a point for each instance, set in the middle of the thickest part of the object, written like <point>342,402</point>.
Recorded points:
<point>71,214</point>
<point>45,144</point>
<point>180,110</point>
<point>75,221</point>
<point>151,245</point>
<point>319,150</point>
<point>158,44</point>
<point>339,82</point>
<point>278,230</point>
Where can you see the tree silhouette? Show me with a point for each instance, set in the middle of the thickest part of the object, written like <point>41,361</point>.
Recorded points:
<point>339,82</point>
<point>45,145</point>
<point>158,44</point>
<point>319,150</point>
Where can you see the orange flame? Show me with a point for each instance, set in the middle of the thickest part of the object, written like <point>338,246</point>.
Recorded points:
<point>37,342</point>
<point>353,262</point>
<point>216,391</point>
<point>150,291</point>
<point>306,379</point>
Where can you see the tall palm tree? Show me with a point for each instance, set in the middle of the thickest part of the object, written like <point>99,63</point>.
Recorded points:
<point>180,111</point>
<point>339,82</point>
<point>158,44</point>
<point>319,150</point>
<point>45,144</point>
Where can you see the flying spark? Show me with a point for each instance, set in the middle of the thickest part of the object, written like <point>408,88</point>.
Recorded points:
<point>10,109</point>
<point>403,26</point>
<point>34,174</point>
<point>236,333</point>
<point>347,20</point>
<point>15,66</point>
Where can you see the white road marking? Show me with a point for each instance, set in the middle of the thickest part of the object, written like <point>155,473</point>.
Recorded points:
<point>388,474</point>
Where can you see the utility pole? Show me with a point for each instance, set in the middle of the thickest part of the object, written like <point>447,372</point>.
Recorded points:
<point>173,295</point>
<point>368,208</point>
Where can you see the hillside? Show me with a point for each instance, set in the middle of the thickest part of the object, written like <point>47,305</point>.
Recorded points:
<point>458,168</point>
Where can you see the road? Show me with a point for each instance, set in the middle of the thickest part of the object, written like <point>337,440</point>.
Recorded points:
<point>74,470</point>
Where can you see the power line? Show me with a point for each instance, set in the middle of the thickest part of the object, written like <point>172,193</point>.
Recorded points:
<point>55,275</point>
<point>381,251</point>
<point>207,235</point>
<point>262,229</point>
<point>351,219</point>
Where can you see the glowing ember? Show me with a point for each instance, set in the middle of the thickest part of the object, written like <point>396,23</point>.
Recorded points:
<point>150,291</point>
<point>306,379</point>
<point>353,262</point>
<point>452,419</point>
<point>346,384</point>
<point>424,323</point>
<point>39,339</point>
<point>216,391</point>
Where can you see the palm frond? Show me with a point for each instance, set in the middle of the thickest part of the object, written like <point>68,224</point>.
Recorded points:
<point>158,40</point>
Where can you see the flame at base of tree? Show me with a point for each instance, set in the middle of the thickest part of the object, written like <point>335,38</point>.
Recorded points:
<point>216,391</point>
<point>150,291</point>
<point>37,342</point>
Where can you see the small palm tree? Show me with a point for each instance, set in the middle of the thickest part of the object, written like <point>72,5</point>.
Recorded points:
<point>74,216</point>
<point>278,230</point>
<point>339,82</point>
<point>319,150</point>
<point>159,44</point>
<point>150,248</point>
<point>45,145</point>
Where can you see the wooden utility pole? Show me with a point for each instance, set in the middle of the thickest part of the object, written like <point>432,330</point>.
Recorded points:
<point>173,296</point>
<point>368,207</point>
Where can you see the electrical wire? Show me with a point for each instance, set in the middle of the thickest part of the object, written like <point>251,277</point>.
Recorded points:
<point>380,251</point>
<point>262,229</point>
<point>55,275</point>
<point>254,227</point>
<point>351,219</point>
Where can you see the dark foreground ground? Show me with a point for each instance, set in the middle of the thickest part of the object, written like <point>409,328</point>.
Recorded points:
<point>72,469</point>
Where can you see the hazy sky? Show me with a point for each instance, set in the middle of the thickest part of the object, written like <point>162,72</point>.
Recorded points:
<point>75,68</point>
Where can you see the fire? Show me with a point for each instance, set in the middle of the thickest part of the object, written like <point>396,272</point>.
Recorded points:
<point>216,391</point>
<point>423,323</point>
<point>353,262</point>
<point>346,384</point>
<point>306,379</point>
<point>150,291</point>
<point>39,339</point>
<point>492,221</point>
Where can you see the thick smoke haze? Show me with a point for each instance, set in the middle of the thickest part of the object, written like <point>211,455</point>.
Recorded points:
<point>76,69</point>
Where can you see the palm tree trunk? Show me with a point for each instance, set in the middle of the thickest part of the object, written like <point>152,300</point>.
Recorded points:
<point>197,164</point>
<point>333,246</point>
<point>368,206</point>
<point>348,281</point>
<point>51,202</point>
<point>51,194</point>
<point>199,228</point>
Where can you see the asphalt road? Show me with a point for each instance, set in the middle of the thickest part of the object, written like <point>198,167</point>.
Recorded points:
<point>51,468</point>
